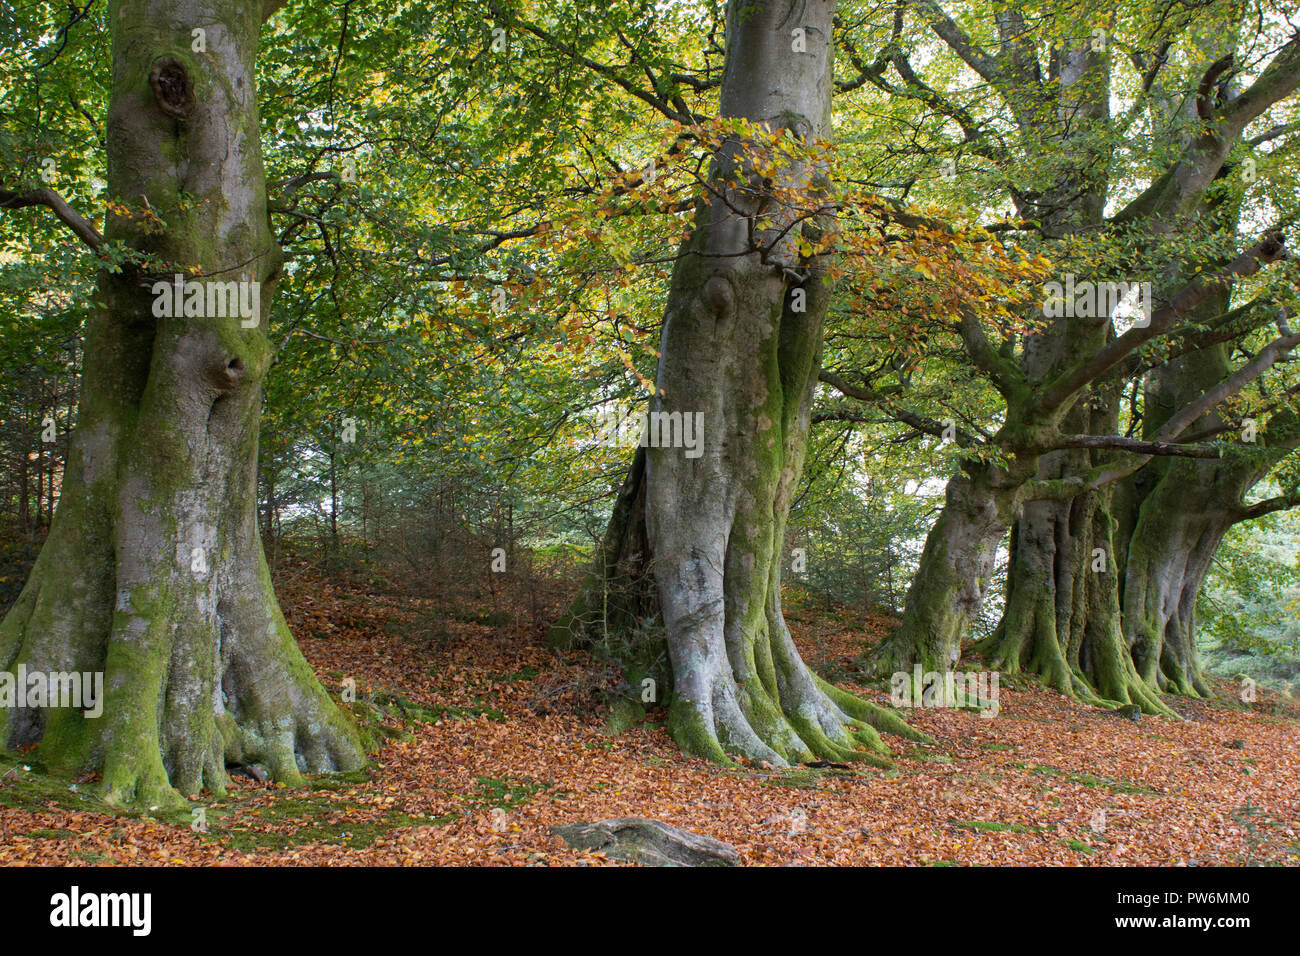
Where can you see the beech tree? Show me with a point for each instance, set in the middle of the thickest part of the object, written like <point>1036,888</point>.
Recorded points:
<point>699,540</point>
<point>1125,631</point>
<point>153,572</point>
<point>1057,448</point>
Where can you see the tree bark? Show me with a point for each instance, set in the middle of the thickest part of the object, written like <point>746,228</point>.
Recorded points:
<point>1183,510</point>
<point>741,350</point>
<point>153,572</point>
<point>952,577</point>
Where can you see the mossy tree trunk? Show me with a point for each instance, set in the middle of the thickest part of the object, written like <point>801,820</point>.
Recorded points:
<point>1058,124</point>
<point>1079,562</point>
<point>741,347</point>
<point>1062,621</point>
<point>1102,589</point>
<point>153,572</point>
<point>1180,526</point>
<point>951,581</point>
<point>1182,511</point>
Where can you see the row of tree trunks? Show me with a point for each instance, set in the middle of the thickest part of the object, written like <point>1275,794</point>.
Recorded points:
<point>1122,567</point>
<point>1102,585</point>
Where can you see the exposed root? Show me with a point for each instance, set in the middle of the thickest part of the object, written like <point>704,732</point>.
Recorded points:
<point>872,717</point>
<point>830,724</point>
<point>128,782</point>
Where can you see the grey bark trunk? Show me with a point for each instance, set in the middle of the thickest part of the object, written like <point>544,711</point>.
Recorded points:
<point>154,572</point>
<point>949,587</point>
<point>740,353</point>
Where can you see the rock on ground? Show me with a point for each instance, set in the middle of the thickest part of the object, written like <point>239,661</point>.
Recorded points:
<point>649,842</point>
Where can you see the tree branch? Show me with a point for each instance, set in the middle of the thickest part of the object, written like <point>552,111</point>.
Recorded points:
<point>947,29</point>
<point>1269,249</point>
<point>1002,371</point>
<point>609,72</point>
<point>1150,448</point>
<point>83,228</point>
<point>1268,506</point>
<point>1280,79</point>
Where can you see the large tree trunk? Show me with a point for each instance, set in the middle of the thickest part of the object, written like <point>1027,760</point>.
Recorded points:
<point>1179,528</point>
<point>1057,126</point>
<point>952,578</point>
<point>1184,508</point>
<point>741,349</point>
<point>1045,582</point>
<point>1062,619</point>
<point>153,572</point>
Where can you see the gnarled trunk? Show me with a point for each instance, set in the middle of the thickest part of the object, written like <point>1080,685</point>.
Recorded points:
<point>952,578</point>
<point>1181,524</point>
<point>740,353</point>
<point>1062,619</point>
<point>154,572</point>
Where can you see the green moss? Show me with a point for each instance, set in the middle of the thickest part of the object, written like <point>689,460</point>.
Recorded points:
<point>992,826</point>
<point>624,714</point>
<point>523,674</point>
<point>292,820</point>
<point>51,834</point>
<point>92,857</point>
<point>28,785</point>
<point>506,792</point>
<point>1085,779</point>
<point>688,730</point>
<point>307,821</point>
<point>797,778</point>
<point>927,756</point>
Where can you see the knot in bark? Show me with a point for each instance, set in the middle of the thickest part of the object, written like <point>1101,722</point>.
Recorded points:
<point>1273,247</point>
<point>718,298</point>
<point>171,86</point>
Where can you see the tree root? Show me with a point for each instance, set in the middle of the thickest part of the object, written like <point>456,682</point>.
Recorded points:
<point>827,724</point>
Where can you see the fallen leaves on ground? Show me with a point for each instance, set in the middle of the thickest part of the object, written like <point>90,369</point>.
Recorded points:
<point>502,739</point>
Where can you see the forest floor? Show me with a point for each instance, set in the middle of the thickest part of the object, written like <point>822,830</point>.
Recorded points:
<point>494,739</point>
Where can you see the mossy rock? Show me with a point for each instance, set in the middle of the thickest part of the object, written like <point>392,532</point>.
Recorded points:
<point>624,714</point>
